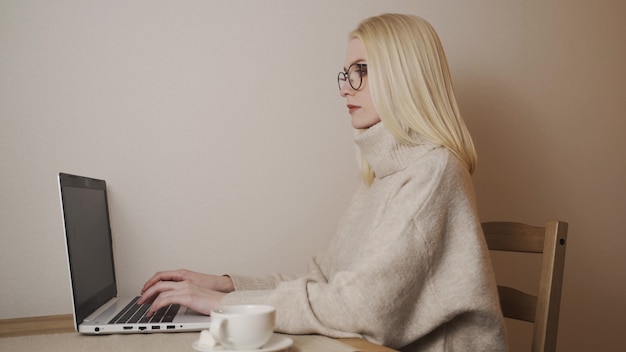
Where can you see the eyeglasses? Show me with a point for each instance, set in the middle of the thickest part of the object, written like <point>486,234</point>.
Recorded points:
<point>354,76</point>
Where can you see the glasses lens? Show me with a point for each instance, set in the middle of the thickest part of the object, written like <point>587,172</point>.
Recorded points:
<point>341,79</point>
<point>355,75</point>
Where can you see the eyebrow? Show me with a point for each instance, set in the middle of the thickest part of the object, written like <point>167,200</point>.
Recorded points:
<point>357,61</point>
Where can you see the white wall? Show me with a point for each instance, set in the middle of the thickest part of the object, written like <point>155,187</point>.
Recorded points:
<point>224,141</point>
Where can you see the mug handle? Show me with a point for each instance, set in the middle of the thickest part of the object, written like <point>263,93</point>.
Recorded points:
<point>217,330</point>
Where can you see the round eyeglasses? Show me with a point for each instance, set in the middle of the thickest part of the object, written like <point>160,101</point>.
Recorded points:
<point>354,76</point>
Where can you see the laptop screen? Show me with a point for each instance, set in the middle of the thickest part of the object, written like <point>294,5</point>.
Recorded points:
<point>89,243</point>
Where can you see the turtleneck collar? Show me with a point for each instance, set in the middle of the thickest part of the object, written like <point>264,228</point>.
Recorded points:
<point>384,153</point>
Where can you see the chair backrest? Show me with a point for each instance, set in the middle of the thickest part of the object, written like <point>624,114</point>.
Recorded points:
<point>543,309</point>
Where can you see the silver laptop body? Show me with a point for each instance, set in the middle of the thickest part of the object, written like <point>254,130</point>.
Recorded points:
<point>97,309</point>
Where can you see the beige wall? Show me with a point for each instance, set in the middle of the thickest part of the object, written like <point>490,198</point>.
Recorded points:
<point>221,133</point>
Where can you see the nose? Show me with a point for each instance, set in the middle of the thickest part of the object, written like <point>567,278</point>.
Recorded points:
<point>346,90</point>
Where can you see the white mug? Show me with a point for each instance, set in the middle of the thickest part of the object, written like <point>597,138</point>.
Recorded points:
<point>242,327</point>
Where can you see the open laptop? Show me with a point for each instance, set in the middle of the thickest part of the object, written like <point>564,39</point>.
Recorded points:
<point>97,309</point>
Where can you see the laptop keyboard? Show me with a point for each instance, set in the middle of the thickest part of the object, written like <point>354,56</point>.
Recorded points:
<point>135,313</point>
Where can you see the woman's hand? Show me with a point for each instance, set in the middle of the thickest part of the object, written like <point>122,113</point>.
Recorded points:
<point>200,292</point>
<point>213,282</point>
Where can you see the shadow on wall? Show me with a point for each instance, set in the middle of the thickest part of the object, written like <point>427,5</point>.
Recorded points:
<point>517,169</point>
<point>518,154</point>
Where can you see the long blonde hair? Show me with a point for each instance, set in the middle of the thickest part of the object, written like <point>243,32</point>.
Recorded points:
<point>411,87</point>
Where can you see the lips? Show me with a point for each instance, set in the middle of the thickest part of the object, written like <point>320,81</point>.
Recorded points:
<point>353,108</point>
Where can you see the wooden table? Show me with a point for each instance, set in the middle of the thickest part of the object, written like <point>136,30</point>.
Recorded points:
<point>61,324</point>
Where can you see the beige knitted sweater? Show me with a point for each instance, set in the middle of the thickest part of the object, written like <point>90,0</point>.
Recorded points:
<point>408,267</point>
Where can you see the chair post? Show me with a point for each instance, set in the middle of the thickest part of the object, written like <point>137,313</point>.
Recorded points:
<point>549,298</point>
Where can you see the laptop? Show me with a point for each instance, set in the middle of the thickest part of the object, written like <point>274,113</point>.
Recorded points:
<point>97,309</point>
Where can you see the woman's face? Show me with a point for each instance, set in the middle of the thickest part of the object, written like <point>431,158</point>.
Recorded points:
<point>359,102</point>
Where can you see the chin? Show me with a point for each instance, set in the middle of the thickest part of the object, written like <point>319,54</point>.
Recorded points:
<point>363,125</point>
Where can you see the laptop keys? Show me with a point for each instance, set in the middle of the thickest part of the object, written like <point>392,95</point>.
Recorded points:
<point>135,313</point>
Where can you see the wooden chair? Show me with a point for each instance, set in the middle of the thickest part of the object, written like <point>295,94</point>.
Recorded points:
<point>543,309</point>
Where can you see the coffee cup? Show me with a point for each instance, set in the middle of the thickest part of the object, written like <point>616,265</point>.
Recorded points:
<point>242,327</point>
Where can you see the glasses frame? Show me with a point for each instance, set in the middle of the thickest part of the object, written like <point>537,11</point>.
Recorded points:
<point>344,76</point>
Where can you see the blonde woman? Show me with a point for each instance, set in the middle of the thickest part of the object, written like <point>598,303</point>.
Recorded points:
<point>408,267</point>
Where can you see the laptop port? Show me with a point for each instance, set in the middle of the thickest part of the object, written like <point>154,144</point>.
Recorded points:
<point>169,327</point>
<point>142,328</point>
<point>155,327</point>
<point>128,328</point>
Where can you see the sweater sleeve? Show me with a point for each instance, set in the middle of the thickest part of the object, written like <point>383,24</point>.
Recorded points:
<point>366,299</point>
<point>290,296</point>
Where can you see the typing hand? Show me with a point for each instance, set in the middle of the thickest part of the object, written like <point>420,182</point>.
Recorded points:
<point>200,292</point>
<point>185,293</point>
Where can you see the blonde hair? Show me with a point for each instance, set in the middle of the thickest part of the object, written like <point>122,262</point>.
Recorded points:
<point>411,87</point>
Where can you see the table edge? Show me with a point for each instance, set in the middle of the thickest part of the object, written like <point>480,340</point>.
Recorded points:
<point>64,323</point>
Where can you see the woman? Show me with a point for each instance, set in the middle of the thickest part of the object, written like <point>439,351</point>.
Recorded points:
<point>408,267</point>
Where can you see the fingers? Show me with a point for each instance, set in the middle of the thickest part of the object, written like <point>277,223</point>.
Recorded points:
<point>180,296</point>
<point>199,292</point>
<point>149,294</point>
<point>173,275</point>
<point>184,293</point>
<point>208,281</point>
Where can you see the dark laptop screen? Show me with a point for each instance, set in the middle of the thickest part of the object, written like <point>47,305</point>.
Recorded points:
<point>89,244</point>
